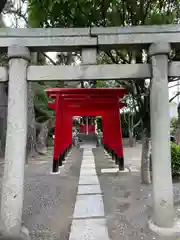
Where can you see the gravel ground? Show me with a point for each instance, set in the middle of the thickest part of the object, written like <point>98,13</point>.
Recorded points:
<point>128,204</point>
<point>49,199</point>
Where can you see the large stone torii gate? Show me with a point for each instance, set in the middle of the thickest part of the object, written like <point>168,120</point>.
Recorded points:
<point>159,40</point>
<point>90,102</point>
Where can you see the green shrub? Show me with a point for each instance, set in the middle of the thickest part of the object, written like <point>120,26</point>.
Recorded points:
<point>50,141</point>
<point>175,160</point>
<point>173,125</point>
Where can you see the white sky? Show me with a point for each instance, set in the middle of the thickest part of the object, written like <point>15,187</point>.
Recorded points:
<point>173,91</point>
<point>10,22</point>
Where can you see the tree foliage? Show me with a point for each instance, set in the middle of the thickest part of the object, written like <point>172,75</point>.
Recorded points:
<point>174,124</point>
<point>2,5</point>
<point>80,13</point>
<point>175,163</point>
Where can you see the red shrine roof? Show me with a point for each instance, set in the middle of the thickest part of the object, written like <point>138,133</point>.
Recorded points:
<point>99,93</point>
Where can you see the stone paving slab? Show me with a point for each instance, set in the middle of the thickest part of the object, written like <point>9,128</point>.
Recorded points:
<point>89,229</point>
<point>88,171</point>
<point>88,206</point>
<point>88,165</point>
<point>90,180</point>
<point>89,189</point>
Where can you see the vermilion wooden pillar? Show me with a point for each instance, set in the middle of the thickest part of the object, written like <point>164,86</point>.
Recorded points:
<point>113,133</point>
<point>104,132</point>
<point>69,129</point>
<point>119,143</point>
<point>64,131</point>
<point>107,130</point>
<point>56,152</point>
<point>62,125</point>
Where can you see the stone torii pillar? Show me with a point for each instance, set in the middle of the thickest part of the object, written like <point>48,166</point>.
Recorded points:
<point>164,221</point>
<point>15,154</point>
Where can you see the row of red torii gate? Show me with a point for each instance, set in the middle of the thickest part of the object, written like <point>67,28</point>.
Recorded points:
<point>87,102</point>
<point>87,128</point>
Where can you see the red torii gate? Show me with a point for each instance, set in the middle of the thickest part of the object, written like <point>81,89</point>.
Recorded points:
<point>75,102</point>
<point>74,111</point>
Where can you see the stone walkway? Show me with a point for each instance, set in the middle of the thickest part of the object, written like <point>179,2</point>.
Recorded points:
<point>83,202</point>
<point>89,220</point>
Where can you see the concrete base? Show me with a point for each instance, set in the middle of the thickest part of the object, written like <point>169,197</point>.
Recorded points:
<point>173,232</point>
<point>114,170</point>
<point>61,166</point>
<point>24,235</point>
<point>111,161</point>
<point>55,173</point>
<point>134,169</point>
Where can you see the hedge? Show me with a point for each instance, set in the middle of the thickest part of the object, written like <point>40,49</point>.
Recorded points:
<point>175,160</point>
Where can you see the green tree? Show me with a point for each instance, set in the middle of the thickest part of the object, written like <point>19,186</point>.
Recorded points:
<point>174,125</point>
<point>2,5</point>
<point>82,13</point>
<point>3,101</point>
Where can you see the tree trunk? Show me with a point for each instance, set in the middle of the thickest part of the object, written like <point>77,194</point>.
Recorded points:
<point>131,139</point>
<point>145,159</point>
<point>131,132</point>
<point>31,136</point>
<point>178,111</point>
<point>42,138</point>
<point>178,126</point>
<point>3,118</point>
